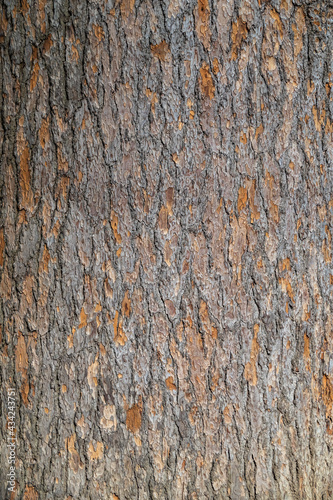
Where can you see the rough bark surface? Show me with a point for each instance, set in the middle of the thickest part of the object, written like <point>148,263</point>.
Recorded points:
<point>165,248</point>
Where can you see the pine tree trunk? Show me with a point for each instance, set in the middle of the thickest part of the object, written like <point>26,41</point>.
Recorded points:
<point>165,249</point>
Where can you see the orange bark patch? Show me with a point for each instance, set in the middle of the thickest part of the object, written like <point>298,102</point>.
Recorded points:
<point>98,307</point>
<point>34,76</point>
<point>21,366</point>
<point>163,220</point>
<point>299,28</point>
<point>126,305</point>
<point>169,199</point>
<point>24,7</point>
<point>44,133</point>
<point>30,493</point>
<point>99,32</point>
<point>3,21</point>
<point>60,122</point>
<point>206,82</point>
<point>242,198</point>
<point>192,415</point>
<point>62,188</point>
<point>319,121</point>
<point>306,314</point>
<point>160,50</point>
<point>203,10</point>
<point>216,68</point>
<point>204,317</point>
<point>41,12</point>
<point>250,372</point>
<point>70,340</point>
<point>214,332</point>
<point>108,289</point>
<point>153,101</point>
<point>307,352</point>
<point>259,131</point>
<point>170,307</point>
<point>48,43</point>
<point>255,214</point>
<point>134,417</point>
<point>126,7</point>
<point>75,54</point>
<point>290,292</point>
<point>119,334</point>
<point>170,385</point>
<point>167,253</point>
<point>45,260</point>
<point>238,34</point>
<point>114,225</point>
<point>277,21</point>
<point>243,138</point>
<point>326,246</point>
<point>286,264</point>
<point>202,26</point>
<point>92,374</point>
<point>227,414</point>
<point>286,287</point>
<point>95,453</point>
<point>83,319</point>
<point>74,457</point>
<point>327,394</point>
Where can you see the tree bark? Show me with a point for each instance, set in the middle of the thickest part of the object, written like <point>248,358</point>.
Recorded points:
<point>165,248</point>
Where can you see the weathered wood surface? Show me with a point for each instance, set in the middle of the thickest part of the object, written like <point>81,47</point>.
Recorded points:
<point>165,248</point>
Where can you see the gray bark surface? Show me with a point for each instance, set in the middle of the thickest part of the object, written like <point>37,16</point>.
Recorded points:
<point>166,248</point>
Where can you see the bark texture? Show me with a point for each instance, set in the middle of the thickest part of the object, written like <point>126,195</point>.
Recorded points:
<point>166,248</point>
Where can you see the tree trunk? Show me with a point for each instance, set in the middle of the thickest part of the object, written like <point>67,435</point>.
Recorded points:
<point>165,251</point>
